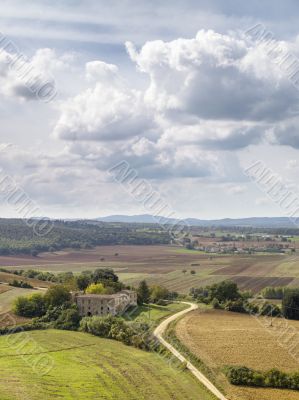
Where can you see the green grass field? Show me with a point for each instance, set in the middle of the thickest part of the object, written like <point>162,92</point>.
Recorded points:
<point>154,313</point>
<point>87,367</point>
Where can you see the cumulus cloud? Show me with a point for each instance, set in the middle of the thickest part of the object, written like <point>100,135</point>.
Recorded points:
<point>205,96</point>
<point>109,110</point>
<point>217,91</point>
<point>213,76</point>
<point>29,79</point>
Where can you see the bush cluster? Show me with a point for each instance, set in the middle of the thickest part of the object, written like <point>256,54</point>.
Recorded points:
<point>36,305</point>
<point>20,284</point>
<point>131,333</point>
<point>226,295</point>
<point>272,378</point>
<point>273,292</point>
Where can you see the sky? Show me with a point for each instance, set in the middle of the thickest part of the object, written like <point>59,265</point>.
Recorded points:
<point>189,94</point>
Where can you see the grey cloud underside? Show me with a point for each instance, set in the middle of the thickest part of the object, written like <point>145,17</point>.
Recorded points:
<point>288,133</point>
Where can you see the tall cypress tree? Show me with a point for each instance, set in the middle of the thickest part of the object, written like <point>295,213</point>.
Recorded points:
<point>143,293</point>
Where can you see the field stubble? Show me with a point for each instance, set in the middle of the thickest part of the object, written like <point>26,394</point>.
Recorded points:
<point>220,338</point>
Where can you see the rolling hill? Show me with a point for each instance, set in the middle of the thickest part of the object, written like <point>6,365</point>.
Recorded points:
<point>255,222</point>
<point>87,367</point>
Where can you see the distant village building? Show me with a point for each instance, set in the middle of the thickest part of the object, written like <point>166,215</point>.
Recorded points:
<point>104,304</point>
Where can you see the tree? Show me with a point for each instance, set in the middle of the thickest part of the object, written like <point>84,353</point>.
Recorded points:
<point>158,293</point>
<point>236,306</point>
<point>104,274</point>
<point>290,304</point>
<point>192,272</point>
<point>82,281</point>
<point>273,292</point>
<point>224,291</point>
<point>270,310</point>
<point>184,271</point>
<point>143,293</point>
<point>95,288</point>
<point>68,280</point>
<point>57,295</point>
<point>30,306</point>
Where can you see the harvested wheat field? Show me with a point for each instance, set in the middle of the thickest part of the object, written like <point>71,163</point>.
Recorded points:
<point>221,338</point>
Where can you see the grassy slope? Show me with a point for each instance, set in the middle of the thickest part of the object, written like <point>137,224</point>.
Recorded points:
<point>93,369</point>
<point>154,314</point>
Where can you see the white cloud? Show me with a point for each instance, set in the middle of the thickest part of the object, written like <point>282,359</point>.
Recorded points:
<point>213,76</point>
<point>215,91</point>
<point>186,113</point>
<point>29,79</point>
<point>109,110</point>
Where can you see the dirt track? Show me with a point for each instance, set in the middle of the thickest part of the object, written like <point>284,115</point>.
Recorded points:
<point>160,330</point>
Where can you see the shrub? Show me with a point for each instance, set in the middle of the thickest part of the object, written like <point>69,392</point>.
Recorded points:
<point>247,294</point>
<point>290,304</point>
<point>157,293</point>
<point>200,294</point>
<point>52,314</point>
<point>20,284</point>
<point>57,295</point>
<point>243,376</point>
<point>251,308</point>
<point>273,293</point>
<point>270,310</point>
<point>69,320</point>
<point>215,303</point>
<point>236,306</point>
<point>276,378</point>
<point>95,288</point>
<point>273,378</point>
<point>31,306</point>
<point>130,333</point>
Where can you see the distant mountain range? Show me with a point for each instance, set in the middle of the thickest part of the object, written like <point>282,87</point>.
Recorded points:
<point>258,222</point>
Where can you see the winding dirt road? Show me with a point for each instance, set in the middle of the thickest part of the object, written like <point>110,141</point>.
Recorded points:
<point>160,330</point>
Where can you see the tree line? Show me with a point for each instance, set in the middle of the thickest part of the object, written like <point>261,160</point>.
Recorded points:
<point>226,295</point>
<point>18,238</point>
<point>272,379</point>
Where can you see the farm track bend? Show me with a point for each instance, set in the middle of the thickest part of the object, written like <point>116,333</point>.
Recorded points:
<point>160,330</point>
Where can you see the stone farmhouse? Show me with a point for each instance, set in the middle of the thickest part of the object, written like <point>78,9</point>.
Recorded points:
<point>104,304</point>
